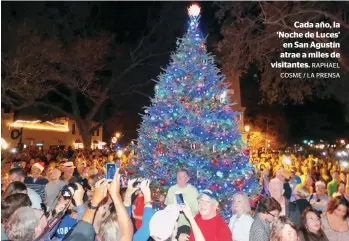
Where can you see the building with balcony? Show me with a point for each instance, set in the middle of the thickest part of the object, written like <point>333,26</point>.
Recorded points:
<point>59,132</point>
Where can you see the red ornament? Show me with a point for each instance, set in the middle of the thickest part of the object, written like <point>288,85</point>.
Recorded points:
<point>238,183</point>
<point>215,162</point>
<point>162,182</point>
<point>246,152</point>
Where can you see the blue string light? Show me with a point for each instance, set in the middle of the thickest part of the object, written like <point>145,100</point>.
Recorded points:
<point>190,124</point>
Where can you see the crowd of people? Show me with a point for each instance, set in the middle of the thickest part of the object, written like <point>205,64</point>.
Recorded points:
<point>65,196</point>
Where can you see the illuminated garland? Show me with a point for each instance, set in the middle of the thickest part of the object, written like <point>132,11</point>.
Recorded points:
<point>39,125</point>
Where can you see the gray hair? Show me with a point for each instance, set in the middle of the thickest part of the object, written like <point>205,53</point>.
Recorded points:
<point>109,230</point>
<point>246,201</point>
<point>22,225</point>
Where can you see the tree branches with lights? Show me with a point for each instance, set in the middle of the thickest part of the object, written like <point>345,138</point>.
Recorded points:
<point>190,124</point>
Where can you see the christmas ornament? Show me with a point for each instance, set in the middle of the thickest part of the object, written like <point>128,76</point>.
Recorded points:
<point>246,152</point>
<point>194,120</point>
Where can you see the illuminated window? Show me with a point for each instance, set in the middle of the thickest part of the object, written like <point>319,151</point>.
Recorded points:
<point>98,132</point>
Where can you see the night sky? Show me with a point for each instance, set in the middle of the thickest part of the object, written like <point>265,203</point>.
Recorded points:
<point>318,119</point>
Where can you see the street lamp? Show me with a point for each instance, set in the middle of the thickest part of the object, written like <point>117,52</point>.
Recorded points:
<point>119,153</point>
<point>117,135</point>
<point>247,128</point>
<point>4,144</point>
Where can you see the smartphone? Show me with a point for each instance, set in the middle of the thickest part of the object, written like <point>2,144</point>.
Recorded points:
<point>111,169</point>
<point>123,181</point>
<point>179,198</point>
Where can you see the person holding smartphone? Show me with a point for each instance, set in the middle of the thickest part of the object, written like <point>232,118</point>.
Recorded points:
<point>190,194</point>
<point>198,236</point>
<point>211,224</point>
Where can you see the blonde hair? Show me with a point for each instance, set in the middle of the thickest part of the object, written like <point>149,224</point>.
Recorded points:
<point>109,230</point>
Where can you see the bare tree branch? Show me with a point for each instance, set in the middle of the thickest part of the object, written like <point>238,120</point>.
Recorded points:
<point>62,95</point>
<point>54,107</point>
<point>249,38</point>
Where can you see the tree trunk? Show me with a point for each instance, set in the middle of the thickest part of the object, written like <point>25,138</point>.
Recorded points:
<point>84,127</point>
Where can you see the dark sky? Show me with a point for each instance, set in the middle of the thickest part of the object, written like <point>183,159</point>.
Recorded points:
<point>316,119</point>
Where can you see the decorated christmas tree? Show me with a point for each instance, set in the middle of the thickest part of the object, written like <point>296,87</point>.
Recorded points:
<point>191,124</point>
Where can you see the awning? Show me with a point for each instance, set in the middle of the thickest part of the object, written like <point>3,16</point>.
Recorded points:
<point>95,142</point>
<point>78,141</point>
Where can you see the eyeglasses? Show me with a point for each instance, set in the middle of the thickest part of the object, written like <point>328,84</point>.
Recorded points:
<point>273,215</point>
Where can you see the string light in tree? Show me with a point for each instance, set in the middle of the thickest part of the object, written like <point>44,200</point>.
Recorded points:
<point>190,124</point>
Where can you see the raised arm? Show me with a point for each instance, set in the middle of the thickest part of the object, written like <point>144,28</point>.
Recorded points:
<point>194,226</point>
<point>123,219</point>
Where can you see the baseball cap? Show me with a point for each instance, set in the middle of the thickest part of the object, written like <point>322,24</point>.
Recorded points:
<point>209,193</point>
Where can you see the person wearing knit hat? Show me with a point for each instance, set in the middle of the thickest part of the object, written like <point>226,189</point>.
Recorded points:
<point>37,169</point>
<point>36,181</point>
<point>163,224</point>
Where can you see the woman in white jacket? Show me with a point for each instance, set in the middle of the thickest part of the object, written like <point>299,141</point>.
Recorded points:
<point>241,221</point>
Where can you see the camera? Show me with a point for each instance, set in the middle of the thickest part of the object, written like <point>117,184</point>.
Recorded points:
<point>84,184</point>
<point>66,192</point>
